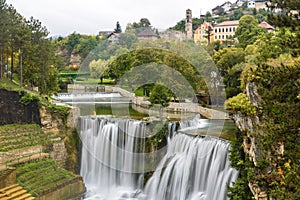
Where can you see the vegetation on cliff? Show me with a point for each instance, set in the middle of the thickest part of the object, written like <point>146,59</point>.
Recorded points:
<point>277,107</point>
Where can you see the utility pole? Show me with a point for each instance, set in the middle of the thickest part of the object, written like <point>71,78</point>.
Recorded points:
<point>21,69</point>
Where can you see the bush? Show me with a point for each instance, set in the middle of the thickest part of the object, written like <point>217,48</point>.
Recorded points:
<point>240,103</point>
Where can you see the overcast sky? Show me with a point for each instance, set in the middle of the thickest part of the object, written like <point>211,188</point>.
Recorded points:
<point>62,17</point>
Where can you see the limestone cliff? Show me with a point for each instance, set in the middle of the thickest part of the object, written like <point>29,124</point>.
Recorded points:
<point>268,116</point>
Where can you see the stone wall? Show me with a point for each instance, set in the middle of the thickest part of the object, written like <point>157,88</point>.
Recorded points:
<point>177,107</point>
<point>7,178</point>
<point>71,190</point>
<point>63,129</point>
<point>12,111</point>
<point>59,153</point>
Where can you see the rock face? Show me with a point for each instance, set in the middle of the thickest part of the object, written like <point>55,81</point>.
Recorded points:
<point>55,124</point>
<point>249,125</point>
<point>13,112</point>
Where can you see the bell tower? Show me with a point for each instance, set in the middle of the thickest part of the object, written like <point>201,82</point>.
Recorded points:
<point>189,25</point>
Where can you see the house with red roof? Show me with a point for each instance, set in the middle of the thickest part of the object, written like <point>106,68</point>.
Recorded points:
<point>267,26</point>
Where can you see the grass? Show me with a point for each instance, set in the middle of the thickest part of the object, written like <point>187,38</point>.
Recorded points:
<point>18,136</point>
<point>7,84</point>
<point>42,175</point>
<point>139,92</point>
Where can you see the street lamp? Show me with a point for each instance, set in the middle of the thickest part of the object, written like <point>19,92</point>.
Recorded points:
<point>8,73</point>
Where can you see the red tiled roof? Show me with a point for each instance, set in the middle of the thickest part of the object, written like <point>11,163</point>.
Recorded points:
<point>266,26</point>
<point>228,23</point>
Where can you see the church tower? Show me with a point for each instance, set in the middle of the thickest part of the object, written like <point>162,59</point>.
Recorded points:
<point>189,25</point>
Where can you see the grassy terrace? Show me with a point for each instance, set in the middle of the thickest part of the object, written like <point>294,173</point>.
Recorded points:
<point>42,176</point>
<point>18,136</point>
<point>5,83</point>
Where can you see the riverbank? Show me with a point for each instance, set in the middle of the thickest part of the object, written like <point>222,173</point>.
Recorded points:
<point>186,107</point>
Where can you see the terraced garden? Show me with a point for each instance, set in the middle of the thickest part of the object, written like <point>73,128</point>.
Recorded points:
<point>18,136</point>
<point>43,176</point>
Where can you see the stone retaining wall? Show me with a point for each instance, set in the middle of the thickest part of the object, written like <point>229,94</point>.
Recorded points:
<point>69,190</point>
<point>7,178</point>
<point>176,107</point>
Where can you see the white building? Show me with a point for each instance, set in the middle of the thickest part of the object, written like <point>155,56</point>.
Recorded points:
<point>225,30</point>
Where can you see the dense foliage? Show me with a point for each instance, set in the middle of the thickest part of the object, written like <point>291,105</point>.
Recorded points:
<point>25,49</point>
<point>281,107</point>
<point>160,95</point>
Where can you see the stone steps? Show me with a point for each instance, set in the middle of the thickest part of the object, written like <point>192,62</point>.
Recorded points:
<point>15,192</point>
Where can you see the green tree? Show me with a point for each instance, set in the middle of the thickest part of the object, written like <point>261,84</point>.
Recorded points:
<point>160,95</point>
<point>180,26</point>
<point>230,62</point>
<point>287,17</point>
<point>72,41</point>
<point>287,14</point>
<point>208,16</point>
<point>24,43</point>
<point>118,28</point>
<point>144,22</point>
<point>248,30</point>
<point>237,14</point>
<point>97,68</point>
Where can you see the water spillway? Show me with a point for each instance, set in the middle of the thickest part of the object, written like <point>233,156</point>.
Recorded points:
<point>193,168</point>
<point>112,163</point>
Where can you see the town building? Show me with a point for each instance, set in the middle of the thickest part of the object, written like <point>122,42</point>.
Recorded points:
<point>147,33</point>
<point>251,4</point>
<point>267,26</point>
<point>225,30</point>
<point>204,33</point>
<point>114,37</point>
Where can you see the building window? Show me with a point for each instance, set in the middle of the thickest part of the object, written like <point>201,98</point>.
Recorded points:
<point>216,37</point>
<point>233,29</point>
<point>222,36</point>
<point>216,30</point>
<point>219,36</point>
<point>219,30</point>
<point>223,30</point>
<point>226,30</point>
<point>230,29</point>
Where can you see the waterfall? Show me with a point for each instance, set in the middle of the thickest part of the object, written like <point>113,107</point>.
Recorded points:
<point>111,165</point>
<point>193,168</point>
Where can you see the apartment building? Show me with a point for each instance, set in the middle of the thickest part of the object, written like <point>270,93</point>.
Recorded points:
<point>204,33</point>
<point>225,30</point>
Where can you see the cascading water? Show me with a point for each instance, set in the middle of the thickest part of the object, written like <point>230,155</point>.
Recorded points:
<point>193,168</point>
<point>112,163</point>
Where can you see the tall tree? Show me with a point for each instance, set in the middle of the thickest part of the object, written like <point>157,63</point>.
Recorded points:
<point>118,28</point>
<point>144,22</point>
<point>286,15</point>
<point>248,30</point>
